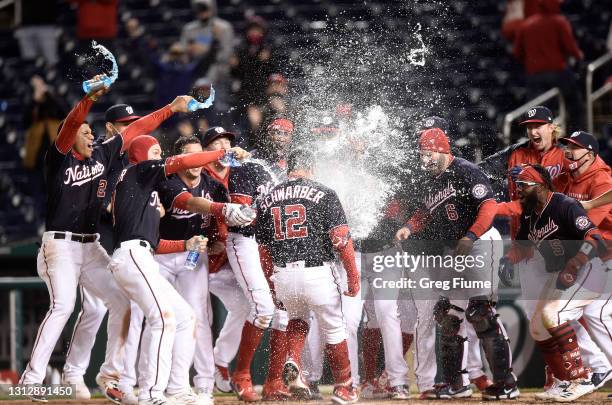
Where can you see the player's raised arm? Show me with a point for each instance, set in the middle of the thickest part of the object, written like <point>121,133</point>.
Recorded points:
<point>68,132</point>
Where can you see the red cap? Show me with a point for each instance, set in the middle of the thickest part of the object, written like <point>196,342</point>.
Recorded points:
<point>434,140</point>
<point>530,174</point>
<point>281,124</point>
<point>139,148</point>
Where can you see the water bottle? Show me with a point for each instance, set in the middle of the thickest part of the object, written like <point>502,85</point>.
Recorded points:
<point>192,257</point>
<point>194,104</point>
<point>229,160</point>
<point>94,85</point>
<point>248,211</point>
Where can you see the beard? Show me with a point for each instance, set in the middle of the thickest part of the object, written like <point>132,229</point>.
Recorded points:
<point>530,203</point>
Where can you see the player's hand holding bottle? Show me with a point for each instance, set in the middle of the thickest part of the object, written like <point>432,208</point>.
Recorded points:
<point>96,94</point>
<point>180,104</point>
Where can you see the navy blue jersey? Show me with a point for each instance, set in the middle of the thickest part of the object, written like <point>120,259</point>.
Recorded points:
<point>453,199</point>
<point>107,235</point>
<point>294,220</point>
<point>179,224</point>
<point>557,231</point>
<point>136,202</point>
<point>76,188</point>
<point>246,184</point>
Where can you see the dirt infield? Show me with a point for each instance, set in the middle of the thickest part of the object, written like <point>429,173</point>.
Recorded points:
<point>526,398</point>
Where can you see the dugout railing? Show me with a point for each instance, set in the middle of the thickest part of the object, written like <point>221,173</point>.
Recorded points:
<point>593,96</point>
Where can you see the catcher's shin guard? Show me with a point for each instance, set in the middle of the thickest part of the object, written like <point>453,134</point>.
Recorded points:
<point>451,344</point>
<point>482,316</point>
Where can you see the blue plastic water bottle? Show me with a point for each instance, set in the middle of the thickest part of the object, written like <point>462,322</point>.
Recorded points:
<point>192,260</point>
<point>197,105</point>
<point>229,160</point>
<point>94,85</point>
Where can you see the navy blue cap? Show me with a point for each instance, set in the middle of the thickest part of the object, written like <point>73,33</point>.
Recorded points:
<point>582,140</point>
<point>213,133</point>
<point>434,122</point>
<point>538,113</point>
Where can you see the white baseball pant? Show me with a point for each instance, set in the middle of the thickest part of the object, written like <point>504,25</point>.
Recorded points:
<point>352,311</point>
<point>192,285</point>
<point>63,264</point>
<point>168,339</point>
<point>84,334</point>
<point>243,257</point>
<point>223,285</point>
<point>128,378</point>
<point>533,276</point>
<point>304,289</point>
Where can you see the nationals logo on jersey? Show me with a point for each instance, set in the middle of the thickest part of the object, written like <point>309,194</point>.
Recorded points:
<point>583,222</point>
<point>80,175</point>
<point>432,201</point>
<point>538,234</point>
<point>479,191</point>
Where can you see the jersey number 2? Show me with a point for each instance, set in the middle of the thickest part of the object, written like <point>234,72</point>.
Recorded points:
<point>296,214</point>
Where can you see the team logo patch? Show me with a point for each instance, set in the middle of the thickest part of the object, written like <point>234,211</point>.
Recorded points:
<point>129,110</point>
<point>219,130</point>
<point>582,222</point>
<point>575,134</point>
<point>479,190</point>
<point>531,112</point>
<point>429,122</point>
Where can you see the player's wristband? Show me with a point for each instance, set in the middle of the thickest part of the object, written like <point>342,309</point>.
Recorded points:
<point>471,235</point>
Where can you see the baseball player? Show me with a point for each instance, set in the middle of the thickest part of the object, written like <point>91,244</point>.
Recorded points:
<point>118,117</point>
<point>541,148</point>
<point>168,338</point>
<point>71,253</point>
<point>244,184</point>
<point>457,193</point>
<point>570,278</point>
<point>186,218</point>
<point>301,223</point>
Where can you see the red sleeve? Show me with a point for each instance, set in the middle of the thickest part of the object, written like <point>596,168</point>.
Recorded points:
<point>145,125</point>
<point>417,222</point>
<point>182,162</point>
<point>180,201</point>
<point>241,199</point>
<point>508,209</point>
<point>343,244</point>
<point>170,246</point>
<point>599,186</point>
<point>393,209</point>
<point>67,135</point>
<point>519,252</point>
<point>568,41</point>
<point>484,218</point>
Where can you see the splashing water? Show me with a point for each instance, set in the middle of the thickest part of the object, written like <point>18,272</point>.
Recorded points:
<point>366,161</point>
<point>101,49</point>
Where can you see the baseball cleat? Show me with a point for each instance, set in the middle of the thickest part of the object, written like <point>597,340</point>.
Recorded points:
<point>446,391</point>
<point>574,390</point>
<point>501,391</point>
<point>243,387</point>
<point>39,398</point>
<point>222,379</point>
<point>556,386</point>
<point>275,390</point>
<point>292,376</point>
<point>344,394</point>
<point>81,391</point>
<point>154,401</point>
<point>205,397</point>
<point>399,392</point>
<point>600,379</point>
<point>481,383</point>
<point>110,389</point>
<point>372,390</point>
<point>129,398</point>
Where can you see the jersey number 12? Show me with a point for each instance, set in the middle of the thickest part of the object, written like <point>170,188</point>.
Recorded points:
<point>293,224</point>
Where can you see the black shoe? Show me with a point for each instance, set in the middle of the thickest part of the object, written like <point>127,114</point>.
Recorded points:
<point>315,394</point>
<point>501,391</point>
<point>446,391</point>
<point>39,398</point>
<point>600,379</point>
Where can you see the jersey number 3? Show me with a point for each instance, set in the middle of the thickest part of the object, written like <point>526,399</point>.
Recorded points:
<point>296,216</point>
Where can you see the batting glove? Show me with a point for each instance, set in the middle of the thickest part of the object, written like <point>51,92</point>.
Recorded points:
<point>506,271</point>
<point>568,275</point>
<point>235,217</point>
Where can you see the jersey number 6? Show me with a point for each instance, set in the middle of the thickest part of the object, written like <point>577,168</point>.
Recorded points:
<point>293,224</point>
<point>451,212</point>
